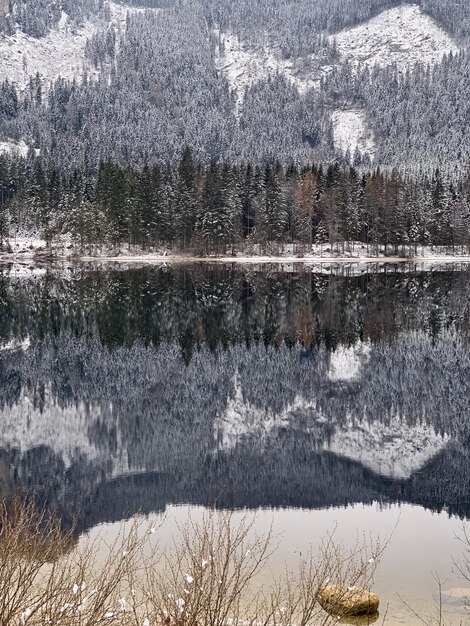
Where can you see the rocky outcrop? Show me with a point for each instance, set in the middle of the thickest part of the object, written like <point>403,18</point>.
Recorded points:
<point>345,601</point>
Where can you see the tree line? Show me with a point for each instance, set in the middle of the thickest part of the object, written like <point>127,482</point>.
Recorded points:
<point>223,208</point>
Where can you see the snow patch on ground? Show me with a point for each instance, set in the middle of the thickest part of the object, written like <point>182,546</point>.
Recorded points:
<point>244,66</point>
<point>346,363</point>
<point>22,247</point>
<point>351,133</point>
<point>396,450</point>
<point>30,249</point>
<point>11,147</point>
<point>352,258</point>
<point>403,35</point>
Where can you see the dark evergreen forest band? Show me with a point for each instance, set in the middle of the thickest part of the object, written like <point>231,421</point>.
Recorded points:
<point>223,208</point>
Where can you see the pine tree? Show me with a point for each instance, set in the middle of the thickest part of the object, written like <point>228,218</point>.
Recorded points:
<point>271,214</point>
<point>219,219</point>
<point>4,197</point>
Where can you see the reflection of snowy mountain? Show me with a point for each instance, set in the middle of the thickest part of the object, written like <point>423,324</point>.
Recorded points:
<point>25,426</point>
<point>393,449</point>
<point>65,430</point>
<point>201,400</point>
<point>241,421</point>
<point>149,429</point>
<point>346,362</point>
<point>396,449</point>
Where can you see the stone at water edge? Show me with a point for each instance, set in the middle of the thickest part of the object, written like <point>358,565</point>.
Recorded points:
<point>360,620</point>
<point>343,601</point>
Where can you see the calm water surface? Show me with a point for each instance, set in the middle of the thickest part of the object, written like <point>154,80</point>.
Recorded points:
<point>313,398</point>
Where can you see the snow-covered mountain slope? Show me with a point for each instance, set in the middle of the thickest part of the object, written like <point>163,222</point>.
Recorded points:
<point>244,66</point>
<point>403,35</point>
<point>351,132</point>
<point>60,53</point>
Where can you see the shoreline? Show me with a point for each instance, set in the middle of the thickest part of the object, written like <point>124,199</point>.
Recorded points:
<point>34,250</point>
<point>264,260</point>
<point>156,259</point>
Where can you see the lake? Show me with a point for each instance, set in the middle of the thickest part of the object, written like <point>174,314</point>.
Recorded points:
<point>338,396</point>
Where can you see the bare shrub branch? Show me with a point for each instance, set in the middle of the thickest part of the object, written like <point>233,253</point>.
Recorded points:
<point>216,573</point>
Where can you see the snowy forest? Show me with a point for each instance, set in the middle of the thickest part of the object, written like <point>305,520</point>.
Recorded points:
<point>151,86</point>
<point>94,153</point>
<point>221,208</point>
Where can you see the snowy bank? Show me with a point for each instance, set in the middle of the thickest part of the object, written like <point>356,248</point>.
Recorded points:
<point>30,249</point>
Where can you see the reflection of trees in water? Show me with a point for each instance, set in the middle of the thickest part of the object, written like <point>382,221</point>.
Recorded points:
<point>244,478</point>
<point>110,345</point>
<point>215,306</point>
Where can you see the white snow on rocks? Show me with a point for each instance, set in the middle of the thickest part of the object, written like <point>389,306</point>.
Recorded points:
<point>244,66</point>
<point>403,35</point>
<point>119,13</point>
<point>11,147</point>
<point>60,53</point>
<point>15,344</point>
<point>351,133</point>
